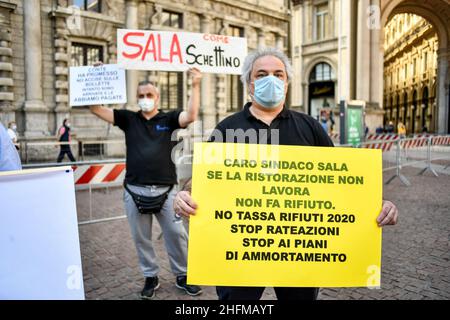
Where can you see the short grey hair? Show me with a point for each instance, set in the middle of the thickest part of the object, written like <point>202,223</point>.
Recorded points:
<point>145,82</point>
<point>255,55</point>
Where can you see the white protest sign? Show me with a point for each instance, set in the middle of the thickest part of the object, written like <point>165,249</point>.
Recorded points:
<point>178,51</point>
<point>39,244</point>
<point>97,85</point>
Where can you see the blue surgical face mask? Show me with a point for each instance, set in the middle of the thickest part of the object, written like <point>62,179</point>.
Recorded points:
<point>269,91</point>
<point>146,105</point>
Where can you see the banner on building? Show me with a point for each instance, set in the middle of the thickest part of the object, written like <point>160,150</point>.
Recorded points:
<point>179,51</point>
<point>97,85</point>
<point>287,216</point>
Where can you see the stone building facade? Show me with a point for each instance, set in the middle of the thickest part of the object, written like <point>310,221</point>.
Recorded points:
<point>338,53</point>
<point>410,70</point>
<point>40,40</point>
<point>315,55</point>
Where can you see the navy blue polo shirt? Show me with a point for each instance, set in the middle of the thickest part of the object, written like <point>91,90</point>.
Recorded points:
<point>149,146</point>
<point>294,128</point>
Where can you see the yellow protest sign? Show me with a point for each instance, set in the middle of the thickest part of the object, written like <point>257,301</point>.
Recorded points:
<point>292,216</point>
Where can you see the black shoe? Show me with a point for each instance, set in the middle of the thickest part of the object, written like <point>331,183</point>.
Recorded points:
<point>151,284</point>
<point>191,290</point>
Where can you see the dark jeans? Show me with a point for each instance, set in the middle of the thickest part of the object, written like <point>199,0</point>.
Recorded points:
<point>255,293</point>
<point>65,150</point>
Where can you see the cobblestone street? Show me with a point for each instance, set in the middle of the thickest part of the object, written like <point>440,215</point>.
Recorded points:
<point>415,263</point>
<point>93,92</point>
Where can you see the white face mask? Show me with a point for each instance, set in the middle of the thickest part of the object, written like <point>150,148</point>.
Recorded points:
<point>146,104</point>
<point>14,127</point>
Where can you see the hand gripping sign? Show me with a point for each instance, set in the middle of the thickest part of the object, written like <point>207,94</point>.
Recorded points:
<point>39,241</point>
<point>179,51</point>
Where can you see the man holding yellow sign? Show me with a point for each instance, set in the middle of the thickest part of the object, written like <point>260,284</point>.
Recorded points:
<point>280,229</point>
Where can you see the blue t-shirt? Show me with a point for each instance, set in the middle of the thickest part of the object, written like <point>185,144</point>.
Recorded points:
<point>9,158</point>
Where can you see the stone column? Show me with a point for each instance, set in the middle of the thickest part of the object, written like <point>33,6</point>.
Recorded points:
<point>220,87</point>
<point>208,110</point>
<point>296,37</point>
<point>305,87</point>
<point>61,70</point>
<point>36,120</point>
<point>131,22</point>
<point>443,91</point>
<point>345,56</point>
<point>369,60</point>
<point>279,41</point>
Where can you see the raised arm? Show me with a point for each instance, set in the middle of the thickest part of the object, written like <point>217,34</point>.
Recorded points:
<point>183,204</point>
<point>190,115</point>
<point>103,113</point>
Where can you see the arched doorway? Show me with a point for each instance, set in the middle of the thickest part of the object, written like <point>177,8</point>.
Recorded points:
<point>410,51</point>
<point>437,13</point>
<point>321,89</point>
<point>397,112</point>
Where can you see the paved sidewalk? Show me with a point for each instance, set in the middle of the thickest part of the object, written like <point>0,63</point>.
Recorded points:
<point>415,263</point>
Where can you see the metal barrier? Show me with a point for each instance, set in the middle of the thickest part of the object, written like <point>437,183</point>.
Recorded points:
<point>102,149</point>
<point>335,137</point>
<point>398,166</point>
<point>389,152</point>
<point>104,174</point>
<point>440,148</point>
<point>405,152</point>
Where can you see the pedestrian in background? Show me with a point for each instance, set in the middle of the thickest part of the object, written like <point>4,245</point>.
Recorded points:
<point>390,128</point>
<point>379,130</point>
<point>12,132</point>
<point>324,124</point>
<point>401,130</point>
<point>64,137</point>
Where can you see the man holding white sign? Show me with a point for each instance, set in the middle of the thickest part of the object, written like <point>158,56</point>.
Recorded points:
<point>150,177</point>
